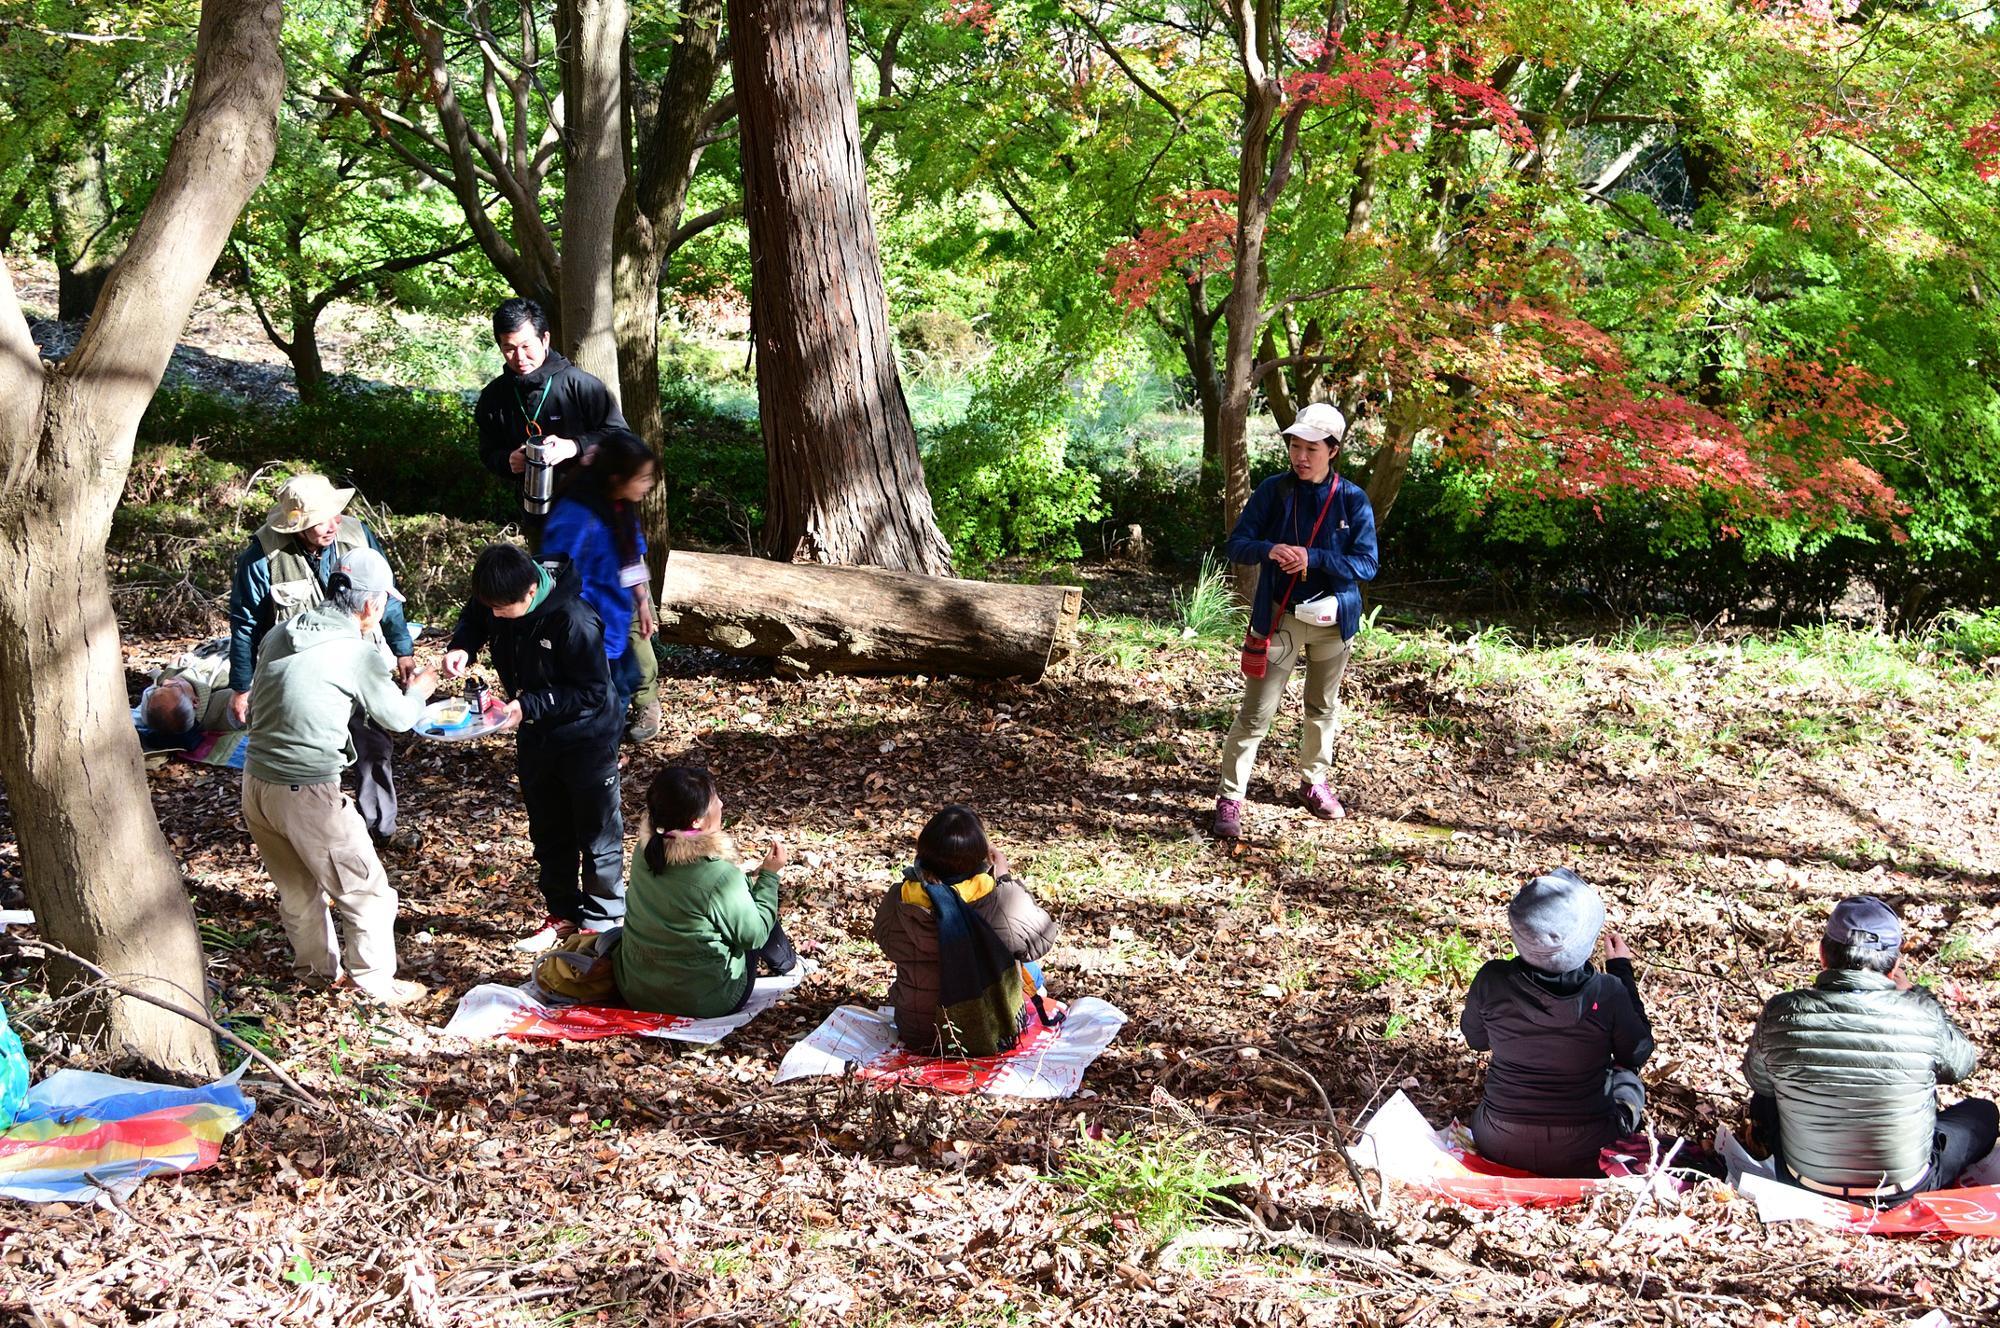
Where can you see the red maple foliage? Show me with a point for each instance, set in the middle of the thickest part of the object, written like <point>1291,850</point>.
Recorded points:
<point>1984,145</point>
<point>970,14</point>
<point>1194,240</point>
<point>1409,87</point>
<point>1551,407</point>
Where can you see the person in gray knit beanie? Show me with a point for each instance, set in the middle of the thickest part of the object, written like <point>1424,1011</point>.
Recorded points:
<point>1555,919</point>
<point>1567,1040</point>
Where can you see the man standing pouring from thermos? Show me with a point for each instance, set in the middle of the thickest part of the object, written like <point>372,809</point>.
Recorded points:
<point>538,422</point>
<point>1312,534</point>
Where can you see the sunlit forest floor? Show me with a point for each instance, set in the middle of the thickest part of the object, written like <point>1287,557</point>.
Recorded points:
<point>1721,790</point>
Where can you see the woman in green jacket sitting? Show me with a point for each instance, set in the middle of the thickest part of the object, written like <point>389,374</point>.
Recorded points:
<point>697,929</point>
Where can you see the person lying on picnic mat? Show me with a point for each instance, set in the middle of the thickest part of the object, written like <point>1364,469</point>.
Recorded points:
<point>1567,1040</point>
<point>965,936</point>
<point>186,699</point>
<point>1844,1073</point>
<point>698,930</point>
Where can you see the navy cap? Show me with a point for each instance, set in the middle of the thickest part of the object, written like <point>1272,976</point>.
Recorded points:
<point>1865,923</point>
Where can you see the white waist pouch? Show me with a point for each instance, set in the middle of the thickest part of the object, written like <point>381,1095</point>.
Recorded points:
<point>1323,611</point>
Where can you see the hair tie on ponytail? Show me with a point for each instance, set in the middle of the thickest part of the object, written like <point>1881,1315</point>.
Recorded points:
<point>338,584</point>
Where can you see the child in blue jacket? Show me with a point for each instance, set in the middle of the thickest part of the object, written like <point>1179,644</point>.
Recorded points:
<point>596,526</point>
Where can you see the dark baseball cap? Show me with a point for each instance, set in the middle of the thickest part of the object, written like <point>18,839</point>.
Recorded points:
<point>1866,923</point>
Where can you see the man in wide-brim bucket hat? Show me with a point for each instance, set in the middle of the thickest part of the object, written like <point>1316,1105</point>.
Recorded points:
<point>283,572</point>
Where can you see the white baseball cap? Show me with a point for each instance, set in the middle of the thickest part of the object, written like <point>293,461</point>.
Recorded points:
<point>1319,422</point>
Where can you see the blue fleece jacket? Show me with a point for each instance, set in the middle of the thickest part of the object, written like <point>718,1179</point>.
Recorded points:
<point>576,530</point>
<point>1339,558</point>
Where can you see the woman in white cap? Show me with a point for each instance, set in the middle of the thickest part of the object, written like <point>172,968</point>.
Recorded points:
<point>1313,535</point>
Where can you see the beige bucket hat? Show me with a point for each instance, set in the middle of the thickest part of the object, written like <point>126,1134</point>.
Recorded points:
<point>304,502</point>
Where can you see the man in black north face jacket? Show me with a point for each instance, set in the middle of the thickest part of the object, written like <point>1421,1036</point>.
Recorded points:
<point>548,648</point>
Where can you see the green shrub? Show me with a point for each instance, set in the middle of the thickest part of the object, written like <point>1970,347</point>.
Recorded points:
<point>1972,636</point>
<point>713,471</point>
<point>406,450</point>
<point>1208,610</point>
<point>999,493</point>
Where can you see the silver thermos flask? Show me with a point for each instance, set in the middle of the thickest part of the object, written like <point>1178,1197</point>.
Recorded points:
<point>538,480</point>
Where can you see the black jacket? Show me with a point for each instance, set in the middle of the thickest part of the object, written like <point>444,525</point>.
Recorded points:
<point>551,660</point>
<point>578,406</point>
<point>1554,1038</point>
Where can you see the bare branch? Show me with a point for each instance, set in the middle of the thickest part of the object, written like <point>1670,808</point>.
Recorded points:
<point>1130,73</point>
<point>1304,297</point>
<point>694,226</point>
<point>257,301</point>
<point>91,38</point>
<point>354,281</point>
<point>1269,367</point>
<point>291,1084</point>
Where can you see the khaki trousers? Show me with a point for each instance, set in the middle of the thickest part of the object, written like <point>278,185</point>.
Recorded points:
<point>317,852</point>
<point>1325,656</point>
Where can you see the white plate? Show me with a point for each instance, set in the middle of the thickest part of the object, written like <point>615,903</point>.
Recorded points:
<point>445,720</point>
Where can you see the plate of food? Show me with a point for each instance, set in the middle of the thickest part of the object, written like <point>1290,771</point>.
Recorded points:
<point>455,719</point>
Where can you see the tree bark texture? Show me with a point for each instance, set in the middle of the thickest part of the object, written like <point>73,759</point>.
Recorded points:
<point>866,619</point>
<point>98,872</point>
<point>846,483</point>
<point>81,222</point>
<point>649,213</point>
<point>593,71</point>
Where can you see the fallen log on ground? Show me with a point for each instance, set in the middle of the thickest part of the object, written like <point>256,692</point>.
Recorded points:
<point>814,618</point>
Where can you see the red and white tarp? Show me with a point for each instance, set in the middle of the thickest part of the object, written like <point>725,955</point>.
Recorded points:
<point>1400,1143</point>
<point>1049,1063</point>
<point>493,1011</point>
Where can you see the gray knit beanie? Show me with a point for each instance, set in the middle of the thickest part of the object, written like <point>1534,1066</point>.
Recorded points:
<point>1555,919</point>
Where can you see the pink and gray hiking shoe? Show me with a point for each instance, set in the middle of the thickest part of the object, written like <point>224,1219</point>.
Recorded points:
<point>1228,819</point>
<point>1319,800</point>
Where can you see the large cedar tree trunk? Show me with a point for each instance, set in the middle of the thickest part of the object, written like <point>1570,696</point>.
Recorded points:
<point>98,872</point>
<point>846,483</point>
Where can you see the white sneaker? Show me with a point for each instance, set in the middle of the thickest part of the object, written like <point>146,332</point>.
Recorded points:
<point>553,929</point>
<point>399,991</point>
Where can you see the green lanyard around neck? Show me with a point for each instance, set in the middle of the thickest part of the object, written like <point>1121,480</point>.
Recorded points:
<point>535,418</point>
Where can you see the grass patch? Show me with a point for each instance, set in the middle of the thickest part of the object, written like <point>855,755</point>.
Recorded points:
<point>1163,1185</point>
<point>1420,961</point>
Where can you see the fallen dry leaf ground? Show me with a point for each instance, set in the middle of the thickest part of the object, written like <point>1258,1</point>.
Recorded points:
<point>1722,792</point>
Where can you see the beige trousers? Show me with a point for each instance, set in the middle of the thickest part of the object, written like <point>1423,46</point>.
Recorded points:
<point>1325,656</point>
<point>318,853</point>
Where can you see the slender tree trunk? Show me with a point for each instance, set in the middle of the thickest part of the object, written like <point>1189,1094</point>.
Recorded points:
<point>81,220</point>
<point>1241,310</point>
<point>308,366</point>
<point>1390,466</point>
<point>846,483</point>
<point>98,872</point>
<point>1198,348</point>
<point>594,179</point>
<point>648,214</point>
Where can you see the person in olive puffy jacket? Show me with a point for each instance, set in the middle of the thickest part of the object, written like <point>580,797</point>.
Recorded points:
<point>952,851</point>
<point>1567,1040</point>
<point>1844,1073</point>
<point>698,929</point>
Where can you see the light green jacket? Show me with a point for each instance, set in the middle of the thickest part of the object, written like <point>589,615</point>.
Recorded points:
<point>313,672</point>
<point>689,929</point>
